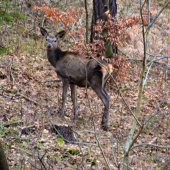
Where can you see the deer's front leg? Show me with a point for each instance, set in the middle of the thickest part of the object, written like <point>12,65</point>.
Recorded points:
<point>64,95</point>
<point>73,97</point>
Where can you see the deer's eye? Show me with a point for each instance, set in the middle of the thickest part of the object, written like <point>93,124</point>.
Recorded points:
<point>55,40</point>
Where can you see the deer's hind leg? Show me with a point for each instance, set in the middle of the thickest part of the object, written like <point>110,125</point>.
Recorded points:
<point>97,85</point>
<point>73,97</point>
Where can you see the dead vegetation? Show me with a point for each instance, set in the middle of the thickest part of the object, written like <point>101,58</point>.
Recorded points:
<point>29,102</point>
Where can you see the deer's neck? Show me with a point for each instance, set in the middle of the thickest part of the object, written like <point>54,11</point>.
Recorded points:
<point>54,55</point>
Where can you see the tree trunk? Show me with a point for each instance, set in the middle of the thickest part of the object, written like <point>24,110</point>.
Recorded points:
<point>98,13</point>
<point>113,7</point>
<point>113,11</point>
<point>99,7</point>
<point>87,22</point>
<point>3,161</point>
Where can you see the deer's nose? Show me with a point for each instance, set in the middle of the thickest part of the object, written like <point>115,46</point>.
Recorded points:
<point>49,45</point>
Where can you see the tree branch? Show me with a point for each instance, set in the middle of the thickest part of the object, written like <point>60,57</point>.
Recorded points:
<point>149,144</point>
<point>157,15</point>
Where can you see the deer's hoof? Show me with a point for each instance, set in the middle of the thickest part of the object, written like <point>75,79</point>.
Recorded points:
<point>104,127</point>
<point>60,113</point>
<point>104,123</point>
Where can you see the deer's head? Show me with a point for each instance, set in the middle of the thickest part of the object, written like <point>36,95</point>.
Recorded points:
<point>52,40</point>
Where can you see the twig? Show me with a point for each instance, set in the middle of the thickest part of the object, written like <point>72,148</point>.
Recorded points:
<point>82,162</point>
<point>27,98</point>
<point>34,165</point>
<point>149,144</point>
<point>10,73</point>
<point>31,126</point>
<point>56,80</point>
<point>157,54</point>
<point>41,159</point>
<point>157,15</point>
<point>127,166</point>
<point>134,140</point>
<point>155,61</point>
<point>27,127</point>
<point>114,157</point>
<point>42,24</point>
<point>143,4</point>
<point>89,131</point>
<point>13,123</point>
<point>151,116</point>
<point>102,150</point>
<point>9,97</point>
<point>162,57</point>
<point>152,63</point>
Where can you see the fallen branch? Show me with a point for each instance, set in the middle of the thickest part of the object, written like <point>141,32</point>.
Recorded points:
<point>149,144</point>
<point>34,165</point>
<point>56,80</point>
<point>21,95</point>
<point>114,157</point>
<point>9,97</point>
<point>27,98</point>
<point>42,159</point>
<point>31,126</point>
<point>13,124</point>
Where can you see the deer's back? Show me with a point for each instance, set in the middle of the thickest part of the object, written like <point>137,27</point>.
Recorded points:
<point>77,69</point>
<point>73,67</point>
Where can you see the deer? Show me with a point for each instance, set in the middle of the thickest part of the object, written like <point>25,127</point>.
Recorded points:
<point>74,69</point>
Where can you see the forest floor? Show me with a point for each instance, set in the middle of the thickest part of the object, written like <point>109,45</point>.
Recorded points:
<point>30,104</point>
<point>30,100</point>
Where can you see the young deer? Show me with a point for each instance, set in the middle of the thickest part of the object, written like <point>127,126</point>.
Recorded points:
<point>74,69</point>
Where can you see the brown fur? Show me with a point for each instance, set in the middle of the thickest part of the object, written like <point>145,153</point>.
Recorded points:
<point>105,73</point>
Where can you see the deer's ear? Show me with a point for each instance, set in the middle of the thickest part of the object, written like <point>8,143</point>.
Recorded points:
<point>43,31</point>
<point>60,34</point>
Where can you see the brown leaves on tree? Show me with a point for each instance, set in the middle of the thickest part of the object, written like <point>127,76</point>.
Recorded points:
<point>116,33</point>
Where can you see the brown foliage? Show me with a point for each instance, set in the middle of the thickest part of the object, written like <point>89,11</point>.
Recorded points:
<point>116,32</point>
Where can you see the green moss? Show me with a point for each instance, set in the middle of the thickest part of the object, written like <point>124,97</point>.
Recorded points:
<point>60,140</point>
<point>92,161</point>
<point>73,151</point>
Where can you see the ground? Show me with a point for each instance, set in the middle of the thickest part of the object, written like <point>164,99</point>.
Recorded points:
<point>30,99</point>
<point>35,100</point>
